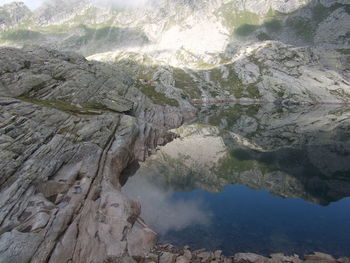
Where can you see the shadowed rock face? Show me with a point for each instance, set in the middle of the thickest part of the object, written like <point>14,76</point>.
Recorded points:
<point>68,129</point>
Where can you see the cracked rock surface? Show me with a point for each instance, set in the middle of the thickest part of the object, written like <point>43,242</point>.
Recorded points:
<point>68,129</point>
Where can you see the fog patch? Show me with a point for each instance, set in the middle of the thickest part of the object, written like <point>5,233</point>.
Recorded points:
<point>31,4</point>
<point>126,4</point>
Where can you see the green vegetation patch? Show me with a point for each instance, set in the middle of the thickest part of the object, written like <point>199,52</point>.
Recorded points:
<point>302,27</point>
<point>234,85</point>
<point>232,163</point>
<point>273,25</point>
<point>106,34</point>
<point>262,36</point>
<point>157,97</point>
<point>340,93</point>
<point>253,91</point>
<point>345,51</point>
<point>231,115</point>
<point>184,81</point>
<point>92,108</point>
<point>234,19</point>
<point>252,110</point>
<point>245,29</point>
<point>22,35</point>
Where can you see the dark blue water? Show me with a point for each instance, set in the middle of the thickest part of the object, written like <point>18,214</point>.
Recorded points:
<point>246,220</point>
<point>259,180</point>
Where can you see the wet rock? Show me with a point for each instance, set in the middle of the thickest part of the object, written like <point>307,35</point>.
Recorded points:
<point>320,257</point>
<point>344,260</point>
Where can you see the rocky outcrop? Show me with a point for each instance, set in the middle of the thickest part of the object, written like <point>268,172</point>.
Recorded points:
<point>69,128</point>
<point>13,14</point>
<point>55,12</point>
<point>175,26</point>
<point>265,72</point>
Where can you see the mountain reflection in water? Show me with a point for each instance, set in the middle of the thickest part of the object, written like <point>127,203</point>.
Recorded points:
<point>252,178</point>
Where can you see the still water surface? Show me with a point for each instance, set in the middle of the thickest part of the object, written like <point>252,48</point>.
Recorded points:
<point>252,178</point>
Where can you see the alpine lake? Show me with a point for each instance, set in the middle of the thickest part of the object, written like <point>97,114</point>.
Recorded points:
<point>252,178</point>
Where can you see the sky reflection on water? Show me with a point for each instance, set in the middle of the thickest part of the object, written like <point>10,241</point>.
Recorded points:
<point>162,211</point>
<point>240,219</point>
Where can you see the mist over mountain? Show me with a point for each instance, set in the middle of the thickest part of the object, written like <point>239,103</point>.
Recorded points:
<point>230,49</point>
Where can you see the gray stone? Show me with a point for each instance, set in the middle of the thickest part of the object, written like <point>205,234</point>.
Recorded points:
<point>344,260</point>
<point>204,256</point>
<point>320,257</point>
<point>167,257</point>
<point>61,160</point>
<point>182,259</point>
<point>249,258</point>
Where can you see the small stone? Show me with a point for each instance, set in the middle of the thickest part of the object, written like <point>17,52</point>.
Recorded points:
<point>199,251</point>
<point>182,259</point>
<point>248,258</point>
<point>167,257</point>
<point>278,258</point>
<point>204,256</point>
<point>320,257</point>
<point>187,254</point>
<point>217,254</point>
<point>343,260</point>
<point>151,257</point>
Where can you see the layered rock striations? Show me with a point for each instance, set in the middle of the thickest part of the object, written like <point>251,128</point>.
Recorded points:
<point>69,127</point>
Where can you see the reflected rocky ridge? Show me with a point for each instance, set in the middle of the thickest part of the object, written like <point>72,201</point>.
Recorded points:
<point>298,153</point>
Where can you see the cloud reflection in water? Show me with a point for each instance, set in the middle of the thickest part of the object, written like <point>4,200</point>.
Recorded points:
<point>161,211</point>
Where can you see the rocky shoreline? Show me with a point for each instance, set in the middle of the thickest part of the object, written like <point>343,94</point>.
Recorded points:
<point>169,254</point>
